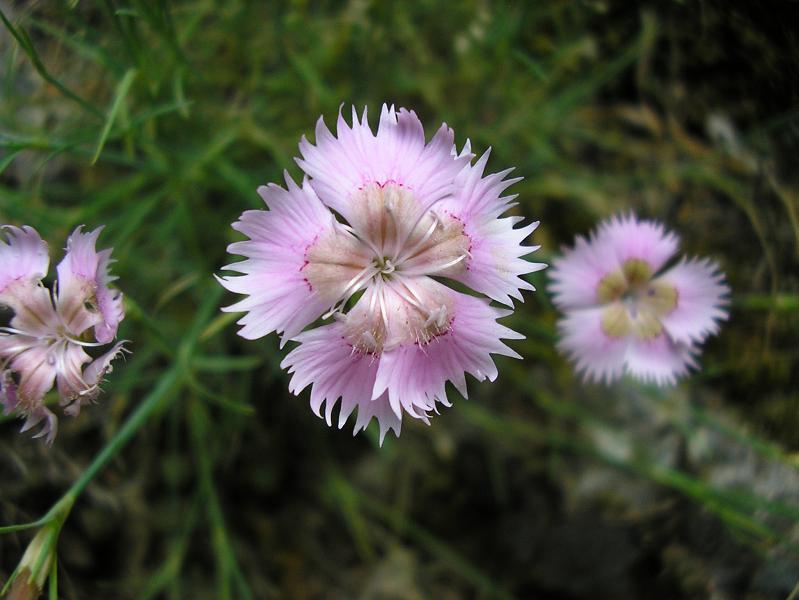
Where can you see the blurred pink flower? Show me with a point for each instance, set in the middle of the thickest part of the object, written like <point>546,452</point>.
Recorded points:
<point>623,311</point>
<point>45,340</point>
<point>408,211</point>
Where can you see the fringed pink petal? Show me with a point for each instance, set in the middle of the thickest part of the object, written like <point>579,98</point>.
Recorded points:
<point>36,368</point>
<point>479,196</point>
<point>379,409</point>
<point>280,298</point>
<point>659,360</point>
<point>336,371</point>
<point>35,313</point>
<point>575,275</point>
<point>71,385</point>
<point>24,261</point>
<point>356,157</point>
<point>702,296</point>
<point>37,415</point>
<point>90,380</point>
<point>639,239</point>
<point>596,355</point>
<point>414,375</point>
<point>495,265</point>
<point>84,296</point>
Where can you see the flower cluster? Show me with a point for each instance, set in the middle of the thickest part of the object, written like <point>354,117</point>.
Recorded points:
<point>45,343</point>
<point>366,239</point>
<point>624,311</point>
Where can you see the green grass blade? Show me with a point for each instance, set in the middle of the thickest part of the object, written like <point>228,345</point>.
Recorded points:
<point>23,39</point>
<point>119,97</point>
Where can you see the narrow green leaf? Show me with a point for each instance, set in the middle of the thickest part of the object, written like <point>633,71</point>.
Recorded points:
<point>121,92</point>
<point>23,39</point>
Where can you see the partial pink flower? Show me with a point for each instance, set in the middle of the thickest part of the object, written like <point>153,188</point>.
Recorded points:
<point>45,343</point>
<point>377,217</point>
<point>626,311</point>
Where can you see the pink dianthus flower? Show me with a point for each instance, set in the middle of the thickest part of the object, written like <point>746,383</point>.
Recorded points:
<point>45,342</point>
<point>378,220</point>
<point>625,311</point>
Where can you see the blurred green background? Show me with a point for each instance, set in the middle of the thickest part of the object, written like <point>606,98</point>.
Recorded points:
<point>159,120</point>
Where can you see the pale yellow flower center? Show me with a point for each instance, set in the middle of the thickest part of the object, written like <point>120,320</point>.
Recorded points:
<point>635,302</point>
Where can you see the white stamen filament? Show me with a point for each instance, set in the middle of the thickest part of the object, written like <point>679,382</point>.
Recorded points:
<point>382,301</point>
<point>409,252</point>
<point>412,301</point>
<point>82,343</point>
<point>418,220</point>
<point>438,269</point>
<point>16,331</point>
<point>354,285</point>
<point>363,239</point>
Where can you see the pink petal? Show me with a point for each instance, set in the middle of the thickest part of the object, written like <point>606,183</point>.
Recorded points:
<point>702,297</point>
<point>35,313</point>
<point>335,371</point>
<point>280,298</point>
<point>575,276</point>
<point>341,165</point>
<point>91,378</point>
<point>380,409</point>
<point>639,239</point>
<point>102,365</point>
<point>598,356</point>
<point>24,261</point>
<point>495,264</point>
<point>658,360</point>
<point>414,375</point>
<point>83,277</point>
<point>480,197</point>
<point>36,366</point>
<point>71,385</point>
<point>35,416</point>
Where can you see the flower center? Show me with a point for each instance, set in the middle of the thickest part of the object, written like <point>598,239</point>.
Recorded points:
<point>388,249</point>
<point>384,266</point>
<point>635,302</point>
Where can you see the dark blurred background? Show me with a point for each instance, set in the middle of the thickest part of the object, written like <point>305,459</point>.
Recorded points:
<point>161,119</point>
